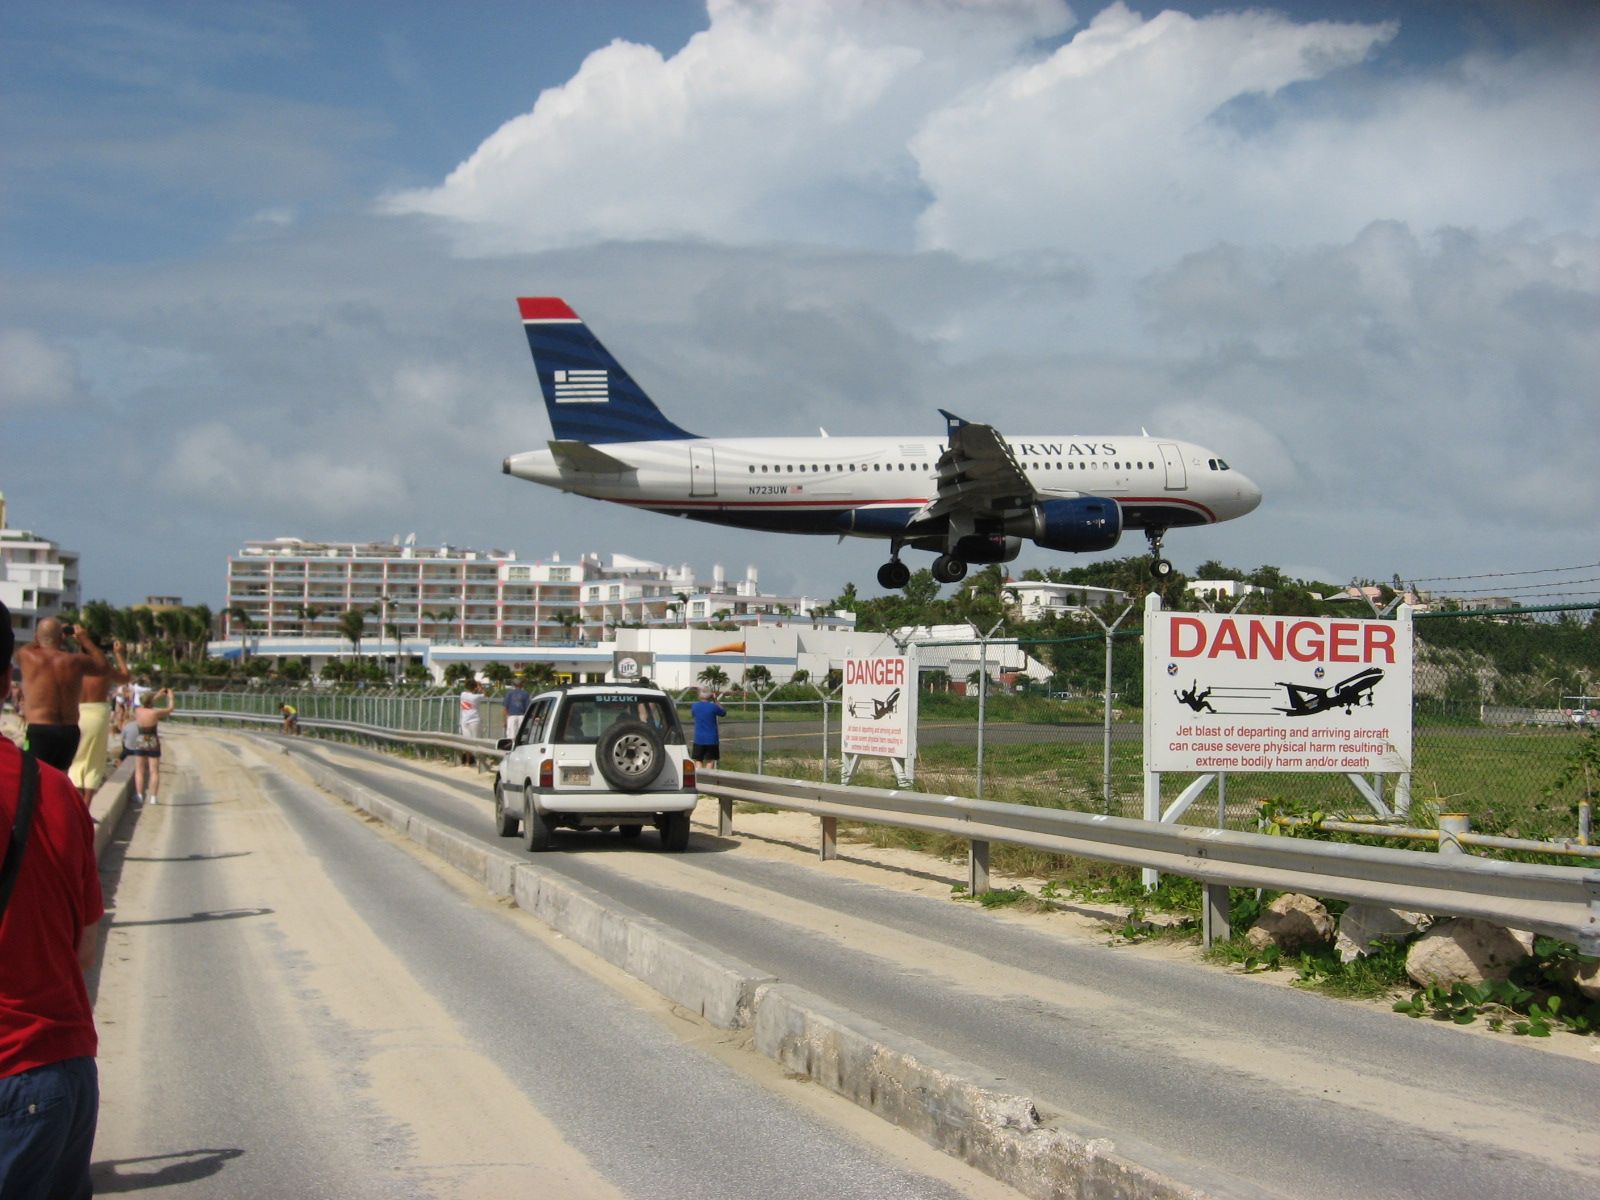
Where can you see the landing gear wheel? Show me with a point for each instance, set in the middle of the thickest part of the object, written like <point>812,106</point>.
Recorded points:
<point>948,569</point>
<point>537,830</point>
<point>675,832</point>
<point>1159,567</point>
<point>505,821</point>
<point>630,756</point>
<point>893,575</point>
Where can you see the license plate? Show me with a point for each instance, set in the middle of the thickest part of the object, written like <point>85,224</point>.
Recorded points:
<point>576,775</point>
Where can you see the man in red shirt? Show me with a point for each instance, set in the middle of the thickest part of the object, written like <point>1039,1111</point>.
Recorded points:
<point>49,1086</point>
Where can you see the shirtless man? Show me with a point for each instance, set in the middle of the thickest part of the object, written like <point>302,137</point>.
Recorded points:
<point>52,680</point>
<point>94,718</point>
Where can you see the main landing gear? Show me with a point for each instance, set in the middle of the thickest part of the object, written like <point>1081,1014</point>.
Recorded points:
<point>894,574</point>
<point>1159,567</point>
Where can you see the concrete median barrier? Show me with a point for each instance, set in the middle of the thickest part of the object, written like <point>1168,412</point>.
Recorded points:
<point>108,805</point>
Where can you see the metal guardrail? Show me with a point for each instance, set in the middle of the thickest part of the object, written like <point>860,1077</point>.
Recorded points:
<point>1563,902</point>
<point>480,748</point>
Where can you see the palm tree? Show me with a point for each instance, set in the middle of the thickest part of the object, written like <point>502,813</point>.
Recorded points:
<point>567,619</point>
<point>393,631</point>
<point>757,676</point>
<point>713,677</point>
<point>353,623</point>
<point>307,614</point>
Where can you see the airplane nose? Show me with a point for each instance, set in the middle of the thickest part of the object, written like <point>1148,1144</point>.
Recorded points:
<point>1247,493</point>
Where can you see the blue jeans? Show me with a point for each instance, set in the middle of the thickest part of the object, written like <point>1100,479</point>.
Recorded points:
<point>47,1120</point>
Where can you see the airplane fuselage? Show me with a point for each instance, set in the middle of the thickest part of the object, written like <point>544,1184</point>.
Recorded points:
<point>871,486</point>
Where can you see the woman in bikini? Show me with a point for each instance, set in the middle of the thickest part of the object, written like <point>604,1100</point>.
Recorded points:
<point>141,740</point>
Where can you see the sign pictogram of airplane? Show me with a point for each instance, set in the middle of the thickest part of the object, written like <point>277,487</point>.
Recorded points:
<point>1346,694</point>
<point>880,708</point>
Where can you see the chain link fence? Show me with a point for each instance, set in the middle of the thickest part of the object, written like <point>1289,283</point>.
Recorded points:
<point>1501,725</point>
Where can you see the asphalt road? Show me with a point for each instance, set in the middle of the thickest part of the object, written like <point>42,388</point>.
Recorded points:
<point>1231,1081</point>
<point>294,1004</point>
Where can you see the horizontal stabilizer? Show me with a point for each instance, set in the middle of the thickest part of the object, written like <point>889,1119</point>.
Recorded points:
<point>580,456</point>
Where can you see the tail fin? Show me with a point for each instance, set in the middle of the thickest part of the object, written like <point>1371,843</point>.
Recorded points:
<point>588,395</point>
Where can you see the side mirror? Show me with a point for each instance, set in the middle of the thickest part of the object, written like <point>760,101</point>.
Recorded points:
<point>503,744</point>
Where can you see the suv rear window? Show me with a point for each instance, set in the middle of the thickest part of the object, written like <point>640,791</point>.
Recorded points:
<point>587,717</point>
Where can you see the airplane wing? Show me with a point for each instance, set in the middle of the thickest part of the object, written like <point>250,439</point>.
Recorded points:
<point>580,456</point>
<point>978,475</point>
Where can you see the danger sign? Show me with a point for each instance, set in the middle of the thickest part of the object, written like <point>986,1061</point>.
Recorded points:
<point>1258,693</point>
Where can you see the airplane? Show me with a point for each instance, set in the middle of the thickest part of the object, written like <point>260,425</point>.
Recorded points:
<point>1346,694</point>
<point>970,497</point>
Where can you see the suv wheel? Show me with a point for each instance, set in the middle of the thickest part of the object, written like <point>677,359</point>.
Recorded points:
<point>630,756</point>
<point>537,830</point>
<point>506,822</point>
<point>675,832</point>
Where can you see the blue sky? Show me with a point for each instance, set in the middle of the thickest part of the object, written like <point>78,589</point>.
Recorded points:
<point>257,262</point>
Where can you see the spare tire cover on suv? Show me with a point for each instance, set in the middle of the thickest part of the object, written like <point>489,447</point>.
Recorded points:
<point>630,756</point>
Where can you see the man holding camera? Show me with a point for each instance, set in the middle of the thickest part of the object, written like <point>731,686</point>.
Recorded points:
<point>49,1086</point>
<point>52,683</point>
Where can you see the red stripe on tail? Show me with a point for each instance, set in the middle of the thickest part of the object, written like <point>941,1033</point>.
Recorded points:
<point>545,308</point>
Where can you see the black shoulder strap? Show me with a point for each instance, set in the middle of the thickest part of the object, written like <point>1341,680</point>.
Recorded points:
<point>26,801</point>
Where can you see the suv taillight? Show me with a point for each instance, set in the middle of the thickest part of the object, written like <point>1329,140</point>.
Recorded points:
<point>547,773</point>
<point>688,772</point>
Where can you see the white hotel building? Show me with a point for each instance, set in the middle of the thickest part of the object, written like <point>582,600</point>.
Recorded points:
<point>293,592</point>
<point>37,577</point>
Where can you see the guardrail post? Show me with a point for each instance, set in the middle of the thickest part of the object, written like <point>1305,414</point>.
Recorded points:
<point>977,868</point>
<point>1451,827</point>
<point>1214,913</point>
<point>830,838</point>
<point>724,817</point>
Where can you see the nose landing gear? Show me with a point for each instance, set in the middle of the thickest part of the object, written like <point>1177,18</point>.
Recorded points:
<point>1159,567</point>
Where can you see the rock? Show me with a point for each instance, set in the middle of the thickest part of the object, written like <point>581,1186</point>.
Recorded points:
<point>1363,925</point>
<point>1291,922</point>
<point>1466,950</point>
<point>1585,977</point>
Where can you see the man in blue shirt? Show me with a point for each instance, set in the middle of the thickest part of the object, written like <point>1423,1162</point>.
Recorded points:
<point>705,712</point>
<point>517,701</point>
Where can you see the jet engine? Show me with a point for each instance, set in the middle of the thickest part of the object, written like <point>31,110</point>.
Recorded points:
<point>1085,524</point>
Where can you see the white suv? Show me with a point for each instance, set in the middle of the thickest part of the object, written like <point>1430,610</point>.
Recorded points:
<point>596,756</point>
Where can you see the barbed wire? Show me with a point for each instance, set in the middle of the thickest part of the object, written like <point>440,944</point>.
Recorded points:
<point>1522,588</point>
<point>1501,574</point>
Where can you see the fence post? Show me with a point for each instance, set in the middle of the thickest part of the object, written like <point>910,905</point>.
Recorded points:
<point>1214,921</point>
<point>983,695</point>
<point>1451,827</point>
<point>977,868</point>
<point>1105,769</point>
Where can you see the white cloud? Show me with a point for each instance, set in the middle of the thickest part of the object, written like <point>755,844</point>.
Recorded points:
<point>34,374</point>
<point>781,121</point>
<point>214,464</point>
